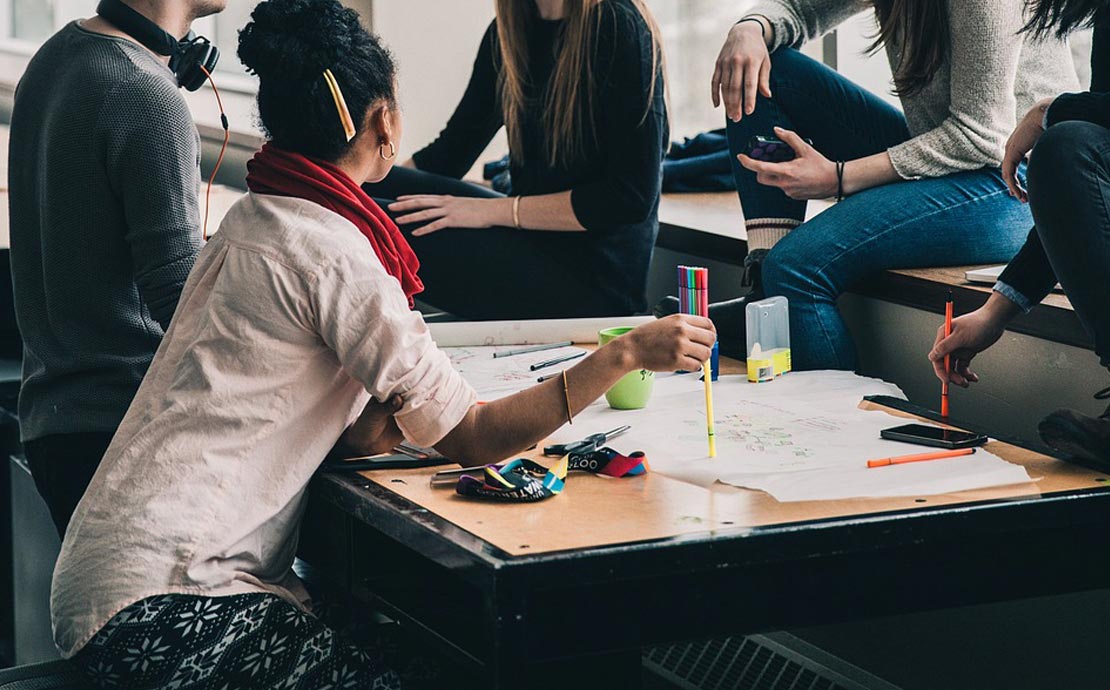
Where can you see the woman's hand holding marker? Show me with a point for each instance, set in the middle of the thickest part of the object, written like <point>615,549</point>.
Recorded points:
<point>809,176</point>
<point>680,342</point>
<point>971,334</point>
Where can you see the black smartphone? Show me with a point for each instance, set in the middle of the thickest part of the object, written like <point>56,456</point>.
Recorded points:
<point>770,150</point>
<point>937,437</point>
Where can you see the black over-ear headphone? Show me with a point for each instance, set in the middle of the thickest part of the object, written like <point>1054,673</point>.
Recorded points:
<point>187,56</point>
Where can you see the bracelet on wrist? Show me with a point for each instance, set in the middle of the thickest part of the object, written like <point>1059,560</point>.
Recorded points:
<point>757,20</point>
<point>516,212</point>
<point>840,180</point>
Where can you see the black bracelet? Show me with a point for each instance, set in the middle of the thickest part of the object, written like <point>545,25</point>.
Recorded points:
<point>762,29</point>
<point>840,180</point>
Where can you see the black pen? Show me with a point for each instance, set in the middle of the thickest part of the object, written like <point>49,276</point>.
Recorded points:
<point>553,362</point>
<point>381,462</point>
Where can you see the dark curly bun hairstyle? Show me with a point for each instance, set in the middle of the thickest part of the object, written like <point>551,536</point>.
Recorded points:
<point>289,44</point>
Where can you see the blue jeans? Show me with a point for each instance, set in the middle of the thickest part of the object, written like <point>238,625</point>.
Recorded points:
<point>961,218</point>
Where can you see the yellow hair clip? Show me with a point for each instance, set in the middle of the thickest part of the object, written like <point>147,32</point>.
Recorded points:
<point>340,105</point>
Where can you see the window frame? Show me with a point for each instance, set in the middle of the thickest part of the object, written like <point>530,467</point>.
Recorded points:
<point>239,90</point>
<point>229,82</point>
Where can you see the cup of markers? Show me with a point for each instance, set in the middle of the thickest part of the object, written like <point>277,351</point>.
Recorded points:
<point>634,389</point>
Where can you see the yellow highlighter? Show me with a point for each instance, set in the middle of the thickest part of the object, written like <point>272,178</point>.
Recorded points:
<point>707,374</point>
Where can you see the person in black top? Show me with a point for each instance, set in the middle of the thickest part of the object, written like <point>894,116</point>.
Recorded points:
<point>579,87</point>
<point>1068,190</point>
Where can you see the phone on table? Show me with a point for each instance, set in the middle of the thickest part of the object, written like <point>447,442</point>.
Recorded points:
<point>770,150</point>
<point>924,435</point>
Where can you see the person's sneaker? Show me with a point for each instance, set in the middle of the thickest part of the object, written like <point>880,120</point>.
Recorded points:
<point>1079,436</point>
<point>729,316</point>
<point>753,273</point>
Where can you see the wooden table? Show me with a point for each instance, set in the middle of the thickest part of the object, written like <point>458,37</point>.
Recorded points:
<point>564,593</point>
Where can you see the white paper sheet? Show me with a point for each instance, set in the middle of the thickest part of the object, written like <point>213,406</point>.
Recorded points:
<point>468,333</point>
<point>497,378</point>
<point>801,437</point>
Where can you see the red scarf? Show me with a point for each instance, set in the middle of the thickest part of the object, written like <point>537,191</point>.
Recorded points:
<point>282,173</point>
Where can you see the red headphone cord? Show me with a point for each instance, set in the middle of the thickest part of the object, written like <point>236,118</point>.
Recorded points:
<point>223,150</point>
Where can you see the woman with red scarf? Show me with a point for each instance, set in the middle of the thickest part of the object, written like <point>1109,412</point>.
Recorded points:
<point>294,334</point>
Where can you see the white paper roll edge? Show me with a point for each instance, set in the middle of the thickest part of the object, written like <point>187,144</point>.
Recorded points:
<point>474,333</point>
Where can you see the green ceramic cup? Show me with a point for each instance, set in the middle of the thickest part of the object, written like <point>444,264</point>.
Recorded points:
<point>633,391</point>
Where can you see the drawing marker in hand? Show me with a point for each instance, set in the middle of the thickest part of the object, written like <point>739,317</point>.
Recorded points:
<point>949,308</point>
<point>695,284</point>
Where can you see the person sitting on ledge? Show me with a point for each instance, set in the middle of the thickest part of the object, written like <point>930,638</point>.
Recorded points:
<point>918,187</point>
<point>1068,185</point>
<point>578,86</point>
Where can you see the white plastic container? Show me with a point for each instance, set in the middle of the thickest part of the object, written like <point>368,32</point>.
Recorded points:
<point>768,326</point>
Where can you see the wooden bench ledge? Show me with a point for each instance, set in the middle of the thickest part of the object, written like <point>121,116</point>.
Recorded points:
<point>711,226</point>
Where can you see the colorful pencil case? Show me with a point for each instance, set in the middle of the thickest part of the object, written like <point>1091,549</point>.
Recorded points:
<point>525,481</point>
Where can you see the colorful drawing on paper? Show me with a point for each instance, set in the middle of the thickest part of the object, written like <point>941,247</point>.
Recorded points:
<point>497,378</point>
<point>802,437</point>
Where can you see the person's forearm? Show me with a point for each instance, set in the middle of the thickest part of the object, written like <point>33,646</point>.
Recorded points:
<point>865,173</point>
<point>496,431</point>
<point>552,212</point>
<point>1001,309</point>
<point>767,29</point>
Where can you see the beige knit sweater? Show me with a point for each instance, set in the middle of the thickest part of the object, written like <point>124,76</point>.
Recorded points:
<point>962,119</point>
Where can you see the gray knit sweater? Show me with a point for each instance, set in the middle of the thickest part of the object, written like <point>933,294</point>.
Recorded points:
<point>103,176</point>
<point>962,119</point>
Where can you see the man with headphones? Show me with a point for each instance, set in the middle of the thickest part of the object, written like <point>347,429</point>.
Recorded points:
<point>105,223</point>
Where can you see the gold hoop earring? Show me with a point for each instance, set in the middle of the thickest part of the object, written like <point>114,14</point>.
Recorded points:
<point>392,151</point>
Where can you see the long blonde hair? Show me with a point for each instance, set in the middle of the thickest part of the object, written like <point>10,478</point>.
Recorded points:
<point>568,109</point>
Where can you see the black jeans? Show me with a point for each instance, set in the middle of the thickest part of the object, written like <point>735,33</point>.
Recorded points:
<point>498,273</point>
<point>1069,193</point>
<point>62,466</point>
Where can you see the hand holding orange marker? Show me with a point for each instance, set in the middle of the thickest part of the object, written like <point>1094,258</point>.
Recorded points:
<point>920,457</point>
<point>949,308</point>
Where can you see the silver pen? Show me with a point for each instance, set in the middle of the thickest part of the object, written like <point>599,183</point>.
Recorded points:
<point>533,348</point>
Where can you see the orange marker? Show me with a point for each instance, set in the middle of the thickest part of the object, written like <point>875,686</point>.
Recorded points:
<point>921,457</point>
<point>949,308</point>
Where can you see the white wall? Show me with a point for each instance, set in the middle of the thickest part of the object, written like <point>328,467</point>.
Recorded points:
<point>872,72</point>
<point>434,42</point>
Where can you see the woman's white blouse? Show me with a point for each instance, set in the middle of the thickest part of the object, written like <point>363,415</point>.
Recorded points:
<point>288,325</point>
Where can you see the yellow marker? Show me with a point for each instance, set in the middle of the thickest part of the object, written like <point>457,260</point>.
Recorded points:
<point>708,377</point>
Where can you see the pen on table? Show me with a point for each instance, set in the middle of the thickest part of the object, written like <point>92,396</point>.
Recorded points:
<point>921,457</point>
<point>533,348</point>
<point>381,462</point>
<point>549,376</point>
<point>949,308</point>
<point>553,362</point>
